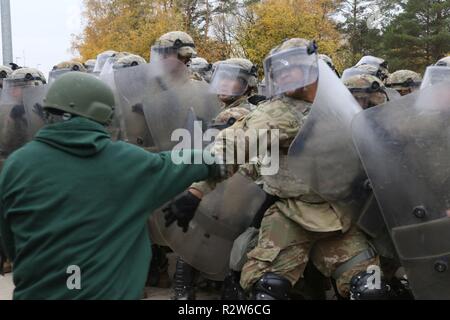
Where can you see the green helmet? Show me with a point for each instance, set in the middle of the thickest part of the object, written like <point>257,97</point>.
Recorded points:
<point>82,95</point>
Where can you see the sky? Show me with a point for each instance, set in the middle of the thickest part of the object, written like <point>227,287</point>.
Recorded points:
<point>42,31</point>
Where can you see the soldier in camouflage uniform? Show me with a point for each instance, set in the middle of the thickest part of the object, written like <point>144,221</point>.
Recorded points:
<point>176,45</point>
<point>175,48</point>
<point>300,225</point>
<point>233,81</point>
<point>404,81</point>
<point>368,90</point>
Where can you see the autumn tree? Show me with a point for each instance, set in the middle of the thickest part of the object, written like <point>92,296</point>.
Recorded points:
<point>271,22</point>
<point>125,25</point>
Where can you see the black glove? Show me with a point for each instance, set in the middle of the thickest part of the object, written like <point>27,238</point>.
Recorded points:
<point>182,210</point>
<point>17,112</point>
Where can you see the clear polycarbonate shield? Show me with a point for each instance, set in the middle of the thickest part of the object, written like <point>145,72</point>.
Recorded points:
<point>101,60</point>
<point>56,74</point>
<point>290,70</point>
<point>14,119</point>
<point>323,155</point>
<point>33,100</point>
<point>229,80</point>
<point>405,149</point>
<point>392,94</point>
<point>435,75</point>
<point>107,69</point>
<point>371,60</point>
<point>352,72</point>
<point>222,217</point>
<point>174,106</point>
<point>131,86</point>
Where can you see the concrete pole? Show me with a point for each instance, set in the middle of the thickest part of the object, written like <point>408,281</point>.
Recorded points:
<point>6,32</point>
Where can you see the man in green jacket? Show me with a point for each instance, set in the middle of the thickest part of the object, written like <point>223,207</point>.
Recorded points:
<point>74,204</point>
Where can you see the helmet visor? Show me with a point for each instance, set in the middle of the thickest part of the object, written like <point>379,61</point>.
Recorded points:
<point>290,70</point>
<point>229,80</point>
<point>435,75</point>
<point>373,61</point>
<point>101,60</point>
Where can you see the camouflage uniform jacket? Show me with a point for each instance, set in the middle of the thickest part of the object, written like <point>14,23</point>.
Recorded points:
<point>296,200</point>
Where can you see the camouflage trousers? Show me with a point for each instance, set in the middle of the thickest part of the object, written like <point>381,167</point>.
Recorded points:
<point>284,248</point>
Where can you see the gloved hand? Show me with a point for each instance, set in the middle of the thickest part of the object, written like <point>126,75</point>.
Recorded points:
<point>182,210</point>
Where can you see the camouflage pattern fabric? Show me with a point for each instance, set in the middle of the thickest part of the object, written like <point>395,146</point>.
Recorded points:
<point>284,248</point>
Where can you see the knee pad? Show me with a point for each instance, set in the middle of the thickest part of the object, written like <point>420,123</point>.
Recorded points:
<point>272,287</point>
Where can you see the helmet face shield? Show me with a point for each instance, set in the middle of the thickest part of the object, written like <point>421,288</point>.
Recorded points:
<point>435,75</point>
<point>159,53</point>
<point>290,70</point>
<point>12,92</point>
<point>55,74</point>
<point>373,61</point>
<point>101,60</point>
<point>351,72</point>
<point>229,80</point>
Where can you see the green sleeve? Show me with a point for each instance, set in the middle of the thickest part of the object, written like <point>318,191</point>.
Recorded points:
<point>172,179</point>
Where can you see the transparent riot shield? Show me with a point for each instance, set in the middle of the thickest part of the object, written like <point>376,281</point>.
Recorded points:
<point>14,119</point>
<point>176,108</point>
<point>323,155</point>
<point>405,149</point>
<point>222,217</point>
<point>392,94</point>
<point>33,100</point>
<point>131,86</point>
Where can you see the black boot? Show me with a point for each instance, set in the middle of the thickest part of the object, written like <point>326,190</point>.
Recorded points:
<point>184,278</point>
<point>158,274</point>
<point>272,287</point>
<point>232,289</point>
